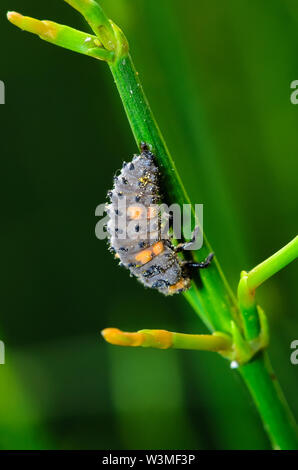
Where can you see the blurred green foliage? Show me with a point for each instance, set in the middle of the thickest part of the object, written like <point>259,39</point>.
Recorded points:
<point>224,107</point>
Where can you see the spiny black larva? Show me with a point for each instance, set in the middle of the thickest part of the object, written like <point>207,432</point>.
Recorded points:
<point>153,260</point>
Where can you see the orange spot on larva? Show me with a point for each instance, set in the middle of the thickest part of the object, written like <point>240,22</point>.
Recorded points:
<point>144,256</point>
<point>182,284</point>
<point>158,248</point>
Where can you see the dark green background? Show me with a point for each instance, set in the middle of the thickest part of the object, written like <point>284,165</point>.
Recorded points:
<point>217,74</point>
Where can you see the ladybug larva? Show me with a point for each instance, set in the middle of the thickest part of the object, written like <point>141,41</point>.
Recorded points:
<point>134,228</point>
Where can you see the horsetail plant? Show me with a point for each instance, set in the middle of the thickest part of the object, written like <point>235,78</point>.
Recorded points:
<point>239,329</point>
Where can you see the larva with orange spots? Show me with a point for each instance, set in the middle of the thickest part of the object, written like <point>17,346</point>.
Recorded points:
<point>133,209</point>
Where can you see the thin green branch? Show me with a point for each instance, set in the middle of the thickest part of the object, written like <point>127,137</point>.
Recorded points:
<point>162,339</point>
<point>62,36</point>
<point>272,265</point>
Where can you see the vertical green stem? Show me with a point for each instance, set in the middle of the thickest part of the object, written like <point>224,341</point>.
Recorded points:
<point>270,401</point>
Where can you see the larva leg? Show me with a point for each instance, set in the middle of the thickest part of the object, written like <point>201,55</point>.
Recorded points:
<point>202,265</point>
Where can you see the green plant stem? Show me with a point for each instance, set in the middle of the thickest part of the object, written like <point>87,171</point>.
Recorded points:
<point>163,339</point>
<point>215,342</point>
<point>272,265</point>
<point>270,401</point>
<point>62,36</point>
